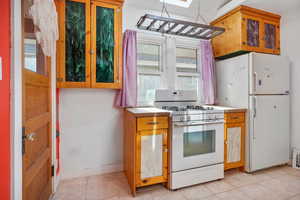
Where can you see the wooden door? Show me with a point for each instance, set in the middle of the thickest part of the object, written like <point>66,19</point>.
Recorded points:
<point>234,145</point>
<point>271,37</point>
<point>152,157</point>
<point>252,33</point>
<point>73,47</point>
<point>106,67</point>
<point>37,150</point>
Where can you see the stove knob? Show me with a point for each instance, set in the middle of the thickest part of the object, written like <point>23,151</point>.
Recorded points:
<point>188,118</point>
<point>182,119</point>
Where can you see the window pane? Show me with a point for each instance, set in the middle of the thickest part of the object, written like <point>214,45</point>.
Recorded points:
<point>148,57</point>
<point>75,41</point>
<point>187,83</point>
<point>253,33</point>
<point>105,45</point>
<point>147,84</point>
<point>186,60</point>
<point>30,54</point>
<point>270,36</point>
<point>34,58</point>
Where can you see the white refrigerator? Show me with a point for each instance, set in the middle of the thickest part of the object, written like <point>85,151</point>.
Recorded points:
<point>261,83</point>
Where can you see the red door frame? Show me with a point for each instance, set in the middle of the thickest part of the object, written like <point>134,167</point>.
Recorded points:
<point>5,146</point>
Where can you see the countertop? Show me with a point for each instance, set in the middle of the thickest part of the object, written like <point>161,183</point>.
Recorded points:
<point>148,110</point>
<point>156,111</point>
<point>230,109</point>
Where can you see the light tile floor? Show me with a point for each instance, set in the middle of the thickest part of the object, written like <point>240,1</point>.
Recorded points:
<point>279,183</point>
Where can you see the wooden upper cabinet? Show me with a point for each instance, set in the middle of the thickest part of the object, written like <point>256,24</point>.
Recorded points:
<point>247,29</point>
<point>89,51</point>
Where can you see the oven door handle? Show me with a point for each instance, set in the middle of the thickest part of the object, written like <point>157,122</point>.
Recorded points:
<point>197,124</point>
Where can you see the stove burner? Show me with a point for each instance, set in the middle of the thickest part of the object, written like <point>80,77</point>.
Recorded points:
<point>192,107</point>
<point>189,107</point>
<point>174,108</point>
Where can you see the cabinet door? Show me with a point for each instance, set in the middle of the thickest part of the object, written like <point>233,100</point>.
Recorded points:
<point>106,45</point>
<point>152,161</point>
<point>73,56</point>
<point>234,145</point>
<point>252,32</point>
<point>271,37</point>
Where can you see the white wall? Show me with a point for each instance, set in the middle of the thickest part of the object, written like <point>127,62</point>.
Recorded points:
<point>91,132</point>
<point>290,47</point>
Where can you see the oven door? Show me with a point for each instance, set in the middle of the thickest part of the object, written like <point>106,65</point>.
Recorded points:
<point>197,145</point>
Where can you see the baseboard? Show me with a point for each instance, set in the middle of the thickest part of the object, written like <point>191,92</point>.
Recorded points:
<point>90,172</point>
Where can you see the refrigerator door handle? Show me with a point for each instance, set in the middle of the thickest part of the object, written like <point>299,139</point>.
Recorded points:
<point>254,107</point>
<point>254,81</point>
<point>254,115</point>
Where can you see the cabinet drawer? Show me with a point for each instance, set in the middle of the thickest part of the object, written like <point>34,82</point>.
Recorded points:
<point>235,117</point>
<point>149,123</point>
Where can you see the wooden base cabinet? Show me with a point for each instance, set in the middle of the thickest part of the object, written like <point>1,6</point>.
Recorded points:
<point>247,30</point>
<point>234,141</point>
<point>145,150</point>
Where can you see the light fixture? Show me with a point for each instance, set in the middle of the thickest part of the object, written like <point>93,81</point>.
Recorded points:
<point>181,3</point>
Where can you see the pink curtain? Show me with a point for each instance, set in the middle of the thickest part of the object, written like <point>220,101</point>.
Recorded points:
<point>208,73</point>
<point>127,96</point>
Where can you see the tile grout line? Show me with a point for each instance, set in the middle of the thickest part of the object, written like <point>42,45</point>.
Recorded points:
<point>85,188</point>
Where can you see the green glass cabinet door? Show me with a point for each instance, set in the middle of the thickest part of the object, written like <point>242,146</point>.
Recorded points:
<point>106,45</point>
<point>74,45</point>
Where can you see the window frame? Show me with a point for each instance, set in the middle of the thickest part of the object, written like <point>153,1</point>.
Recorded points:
<point>152,40</point>
<point>168,74</point>
<point>189,44</point>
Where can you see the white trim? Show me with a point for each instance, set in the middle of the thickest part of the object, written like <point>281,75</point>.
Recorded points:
<point>56,178</point>
<point>16,99</point>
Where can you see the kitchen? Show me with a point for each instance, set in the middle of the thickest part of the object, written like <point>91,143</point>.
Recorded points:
<point>162,124</point>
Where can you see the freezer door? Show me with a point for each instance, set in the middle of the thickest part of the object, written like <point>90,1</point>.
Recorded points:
<point>269,74</point>
<point>269,131</point>
<point>232,81</point>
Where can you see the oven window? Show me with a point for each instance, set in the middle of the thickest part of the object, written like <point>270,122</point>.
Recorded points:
<point>199,142</point>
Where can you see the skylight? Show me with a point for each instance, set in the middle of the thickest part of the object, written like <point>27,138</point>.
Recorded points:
<point>181,3</point>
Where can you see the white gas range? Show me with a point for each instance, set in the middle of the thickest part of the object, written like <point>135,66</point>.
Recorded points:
<point>197,138</point>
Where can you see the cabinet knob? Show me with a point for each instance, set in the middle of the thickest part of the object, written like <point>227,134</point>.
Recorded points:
<point>145,181</point>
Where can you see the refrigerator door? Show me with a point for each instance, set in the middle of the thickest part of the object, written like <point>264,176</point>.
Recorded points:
<point>232,81</point>
<point>269,131</point>
<point>269,74</point>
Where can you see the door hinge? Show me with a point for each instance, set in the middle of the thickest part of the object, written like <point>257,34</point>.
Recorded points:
<point>23,140</point>
<point>52,170</point>
<point>57,134</point>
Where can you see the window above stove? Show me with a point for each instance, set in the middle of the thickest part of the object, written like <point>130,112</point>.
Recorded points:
<point>166,63</point>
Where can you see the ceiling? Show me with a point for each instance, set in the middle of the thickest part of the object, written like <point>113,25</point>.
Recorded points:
<point>209,8</point>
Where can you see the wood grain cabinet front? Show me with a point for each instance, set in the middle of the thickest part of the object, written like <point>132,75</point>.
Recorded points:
<point>146,150</point>
<point>247,30</point>
<point>234,141</point>
<point>89,53</point>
